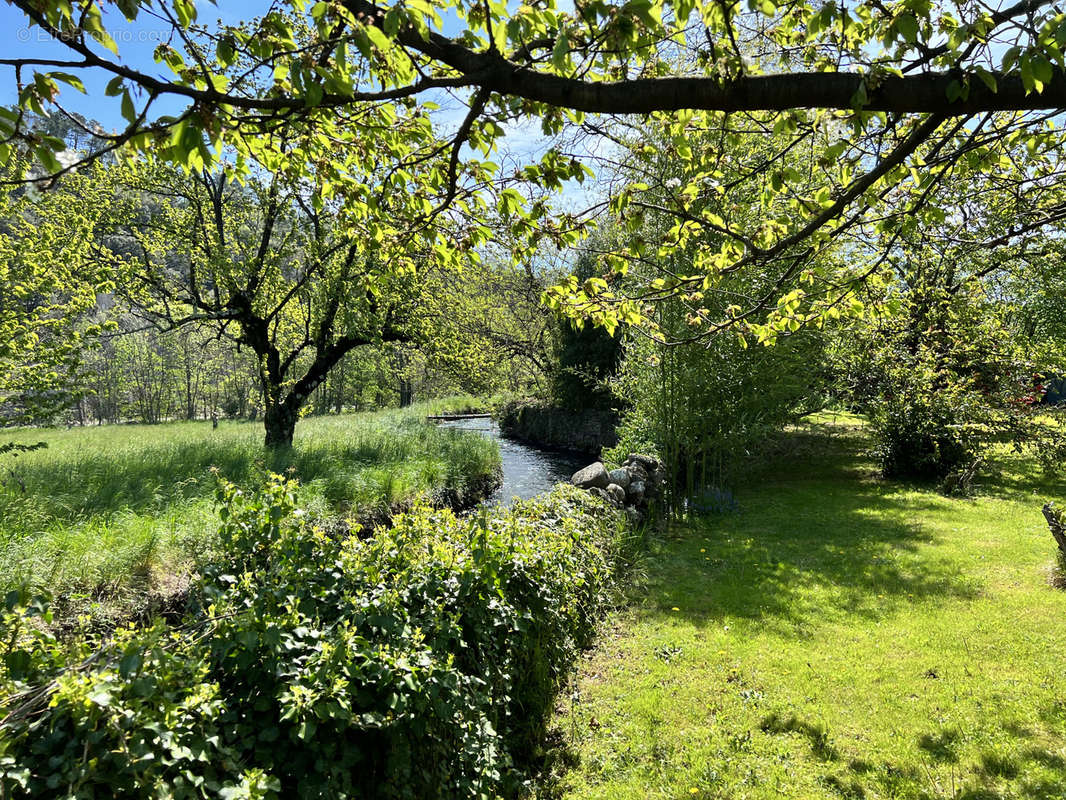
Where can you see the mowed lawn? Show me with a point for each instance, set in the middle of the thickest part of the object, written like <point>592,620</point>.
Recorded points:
<point>841,636</point>
<point>115,511</point>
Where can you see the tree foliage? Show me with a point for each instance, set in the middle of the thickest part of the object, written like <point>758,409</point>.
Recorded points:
<point>48,285</point>
<point>950,364</point>
<point>257,263</point>
<point>890,100</point>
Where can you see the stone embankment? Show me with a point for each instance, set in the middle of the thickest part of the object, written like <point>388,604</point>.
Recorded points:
<point>542,425</point>
<point>635,484</point>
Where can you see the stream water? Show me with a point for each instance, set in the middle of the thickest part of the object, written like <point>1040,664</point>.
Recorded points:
<point>527,471</point>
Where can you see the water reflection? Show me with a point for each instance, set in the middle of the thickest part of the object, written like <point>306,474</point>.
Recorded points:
<point>527,471</point>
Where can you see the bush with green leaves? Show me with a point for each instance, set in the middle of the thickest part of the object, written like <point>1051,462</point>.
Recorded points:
<point>929,425</point>
<point>943,376</point>
<point>420,662</point>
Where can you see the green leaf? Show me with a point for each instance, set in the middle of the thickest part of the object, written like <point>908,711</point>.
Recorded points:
<point>129,664</point>
<point>393,19</point>
<point>70,80</point>
<point>956,90</point>
<point>1029,81</point>
<point>378,38</point>
<point>186,12</point>
<point>987,78</point>
<point>129,112</point>
<point>47,158</point>
<point>860,98</point>
<point>226,51</point>
<point>561,51</point>
<point>1042,69</point>
<point>114,86</point>
<point>907,25</point>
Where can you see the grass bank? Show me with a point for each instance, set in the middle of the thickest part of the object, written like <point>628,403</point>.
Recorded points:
<point>841,636</point>
<point>122,509</point>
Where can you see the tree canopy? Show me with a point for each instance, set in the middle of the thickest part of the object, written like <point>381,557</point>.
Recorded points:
<point>49,281</point>
<point>890,100</point>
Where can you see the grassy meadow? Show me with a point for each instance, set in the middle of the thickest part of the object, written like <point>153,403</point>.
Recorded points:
<point>123,509</point>
<point>839,637</point>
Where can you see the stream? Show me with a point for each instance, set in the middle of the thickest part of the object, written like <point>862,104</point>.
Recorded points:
<point>527,470</point>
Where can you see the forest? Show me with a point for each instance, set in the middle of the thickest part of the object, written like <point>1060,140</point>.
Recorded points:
<point>465,399</point>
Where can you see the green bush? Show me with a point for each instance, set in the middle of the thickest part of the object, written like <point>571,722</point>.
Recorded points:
<point>943,379</point>
<point>421,662</point>
<point>922,431</point>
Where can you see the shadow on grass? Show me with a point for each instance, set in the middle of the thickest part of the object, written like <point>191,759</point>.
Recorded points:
<point>821,538</point>
<point>818,534</point>
<point>995,777</point>
<point>1042,772</point>
<point>1013,476</point>
<point>816,734</point>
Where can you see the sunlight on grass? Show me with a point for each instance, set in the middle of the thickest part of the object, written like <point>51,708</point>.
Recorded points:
<point>102,508</point>
<point>841,636</point>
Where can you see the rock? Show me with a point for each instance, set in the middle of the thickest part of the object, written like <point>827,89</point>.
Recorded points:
<point>621,477</point>
<point>636,492</point>
<point>650,463</point>
<point>655,479</point>
<point>594,476</point>
<point>617,493</point>
<point>634,514</point>
<point>636,472</point>
<point>600,493</point>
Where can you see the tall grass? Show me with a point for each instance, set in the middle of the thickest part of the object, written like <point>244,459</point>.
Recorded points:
<point>108,509</point>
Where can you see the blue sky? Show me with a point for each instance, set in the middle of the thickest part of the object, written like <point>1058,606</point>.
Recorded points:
<point>136,43</point>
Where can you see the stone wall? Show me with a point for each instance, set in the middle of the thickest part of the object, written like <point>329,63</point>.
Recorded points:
<point>539,424</point>
<point>634,486</point>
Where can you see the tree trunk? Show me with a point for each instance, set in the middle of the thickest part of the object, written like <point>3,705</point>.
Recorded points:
<point>1057,524</point>
<point>190,401</point>
<point>280,423</point>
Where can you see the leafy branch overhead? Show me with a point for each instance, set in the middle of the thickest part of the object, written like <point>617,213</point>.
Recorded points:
<point>888,99</point>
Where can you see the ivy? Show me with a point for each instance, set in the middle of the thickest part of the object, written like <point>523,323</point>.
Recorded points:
<point>420,662</point>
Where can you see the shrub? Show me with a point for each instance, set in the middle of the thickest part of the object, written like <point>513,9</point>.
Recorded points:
<point>421,662</point>
<point>945,374</point>
<point>923,431</point>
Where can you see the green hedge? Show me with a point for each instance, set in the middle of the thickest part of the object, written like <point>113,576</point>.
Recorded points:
<point>419,663</point>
